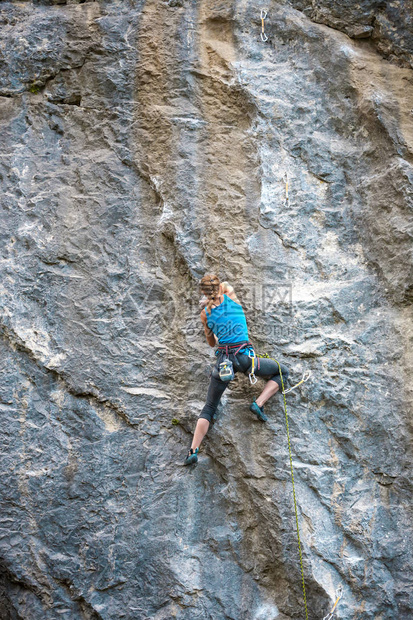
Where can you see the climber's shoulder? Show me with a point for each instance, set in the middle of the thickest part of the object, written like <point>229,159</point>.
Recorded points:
<point>229,291</point>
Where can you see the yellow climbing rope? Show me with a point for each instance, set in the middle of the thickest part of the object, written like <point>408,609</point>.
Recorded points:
<point>292,479</point>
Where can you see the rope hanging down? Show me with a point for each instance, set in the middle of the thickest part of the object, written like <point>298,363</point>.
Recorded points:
<point>292,479</point>
<point>305,378</point>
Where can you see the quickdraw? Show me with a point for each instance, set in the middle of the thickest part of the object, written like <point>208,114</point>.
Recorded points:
<point>286,187</point>
<point>305,378</point>
<point>263,16</point>
<point>339,594</point>
<point>253,379</point>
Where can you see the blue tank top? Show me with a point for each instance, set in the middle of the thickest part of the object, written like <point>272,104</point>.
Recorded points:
<point>228,322</point>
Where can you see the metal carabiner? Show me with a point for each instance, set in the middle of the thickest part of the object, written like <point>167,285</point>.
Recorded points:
<point>263,16</point>
<point>251,376</point>
<point>339,594</point>
<point>253,379</point>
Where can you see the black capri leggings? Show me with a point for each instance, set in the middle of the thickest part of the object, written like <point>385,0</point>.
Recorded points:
<point>242,363</point>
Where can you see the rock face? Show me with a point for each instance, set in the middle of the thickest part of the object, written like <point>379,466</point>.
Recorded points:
<point>144,143</point>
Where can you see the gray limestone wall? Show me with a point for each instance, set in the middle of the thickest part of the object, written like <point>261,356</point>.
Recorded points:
<point>142,144</point>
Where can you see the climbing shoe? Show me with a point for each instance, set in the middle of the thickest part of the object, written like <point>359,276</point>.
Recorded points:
<point>192,457</point>
<point>259,411</point>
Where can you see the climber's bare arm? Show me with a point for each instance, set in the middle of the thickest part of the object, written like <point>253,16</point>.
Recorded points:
<point>226,288</point>
<point>210,336</point>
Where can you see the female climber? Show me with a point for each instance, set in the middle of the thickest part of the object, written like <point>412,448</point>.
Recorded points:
<point>225,325</point>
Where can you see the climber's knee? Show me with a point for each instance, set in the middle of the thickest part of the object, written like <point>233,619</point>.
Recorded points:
<point>285,375</point>
<point>207,413</point>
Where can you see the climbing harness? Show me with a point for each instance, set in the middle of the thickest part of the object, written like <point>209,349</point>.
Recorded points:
<point>226,368</point>
<point>339,594</point>
<point>292,480</point>
<point>233,348</point>
<point>305,376</point>
<point>263,16</point>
